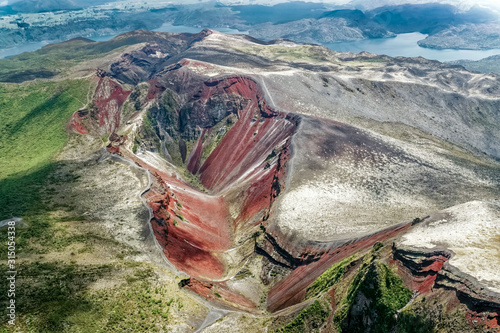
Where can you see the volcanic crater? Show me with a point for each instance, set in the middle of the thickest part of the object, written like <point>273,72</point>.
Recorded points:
<point>246,179</point>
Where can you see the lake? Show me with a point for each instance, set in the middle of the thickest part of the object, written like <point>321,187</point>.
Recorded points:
<point>5,53</point>
<point>403,45</point>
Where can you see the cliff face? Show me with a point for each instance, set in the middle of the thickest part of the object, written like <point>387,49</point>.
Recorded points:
<point>429,272</point>
<point>240,189</point>
<point>104,114</point>
<point>461,262</point>
<point>236,168</point>
<point>242,168</point>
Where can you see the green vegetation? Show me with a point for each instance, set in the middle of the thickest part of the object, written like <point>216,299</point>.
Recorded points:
<point>409,322</point>
<point>194,180</point>
<point>310,319</point>
<point>329,278</point>
<point>213,143</point>
<point>386,294</point>
<point>50,292</point>
<point>346,304</point>
<point>219,131</point>
<point>58,297</point>
<point>44,234</point>
<point>377,246</point>
<point>167,111</point>
<point>53,59</point>
<point>307,53</point>
<point>135,101</point>
<point>32,131</point>
<point>148,132</point>
<point>58,290</point>
<point>169,106</point>
<point>391,294</point>
<point>432,314</point>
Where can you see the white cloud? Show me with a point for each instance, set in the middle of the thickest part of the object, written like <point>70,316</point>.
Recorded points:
<point>4,3</point>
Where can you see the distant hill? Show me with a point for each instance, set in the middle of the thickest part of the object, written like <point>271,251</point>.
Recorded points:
<point>486,65</point>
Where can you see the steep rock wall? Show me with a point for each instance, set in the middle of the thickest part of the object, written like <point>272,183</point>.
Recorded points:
<point>104,114</point>
<point>427,270</point>
<point>243,174</point>
<point>292,289</point>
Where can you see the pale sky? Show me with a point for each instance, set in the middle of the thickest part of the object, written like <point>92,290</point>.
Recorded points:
<point>376,3</point>
<point>368,4</point>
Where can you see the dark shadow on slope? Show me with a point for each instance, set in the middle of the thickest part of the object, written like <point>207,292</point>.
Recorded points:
<point>22,193</point>
<point>56,101</point>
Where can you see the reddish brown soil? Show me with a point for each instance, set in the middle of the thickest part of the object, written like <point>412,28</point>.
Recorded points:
<point>75,124</point>
<point>219,293</point>
<point>292,289</point>
<point>195,228</point>
<point>423,279</point>
<point>104,115</point>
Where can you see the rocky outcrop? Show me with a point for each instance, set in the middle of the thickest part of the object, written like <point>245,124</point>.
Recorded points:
<point>486,65</point>
<point>143,64</point>
<point>421,268</point>
<point>292,289</point>
<point>104,114</point>
<point>466,37</point>
<point>328,29</point>
<point>427,270</point>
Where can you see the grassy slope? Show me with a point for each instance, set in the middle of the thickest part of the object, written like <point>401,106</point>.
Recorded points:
<point>368,295</point>
<point>32,131</point>
<point>72,274</point>
<point>46,62</point>
<point>54,58</point>
<point>309,319</point>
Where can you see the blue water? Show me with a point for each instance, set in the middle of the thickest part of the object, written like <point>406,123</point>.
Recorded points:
<point>405,45</point>
<point>5,53</point>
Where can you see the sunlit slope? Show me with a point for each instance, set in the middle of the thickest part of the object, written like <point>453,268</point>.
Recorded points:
<point>33,121</point>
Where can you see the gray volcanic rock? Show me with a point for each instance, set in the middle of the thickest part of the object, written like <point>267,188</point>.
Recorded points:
<point>324,30</point>
<point>470,233</point>
<point>468,37</point>
<point>486,65</point>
